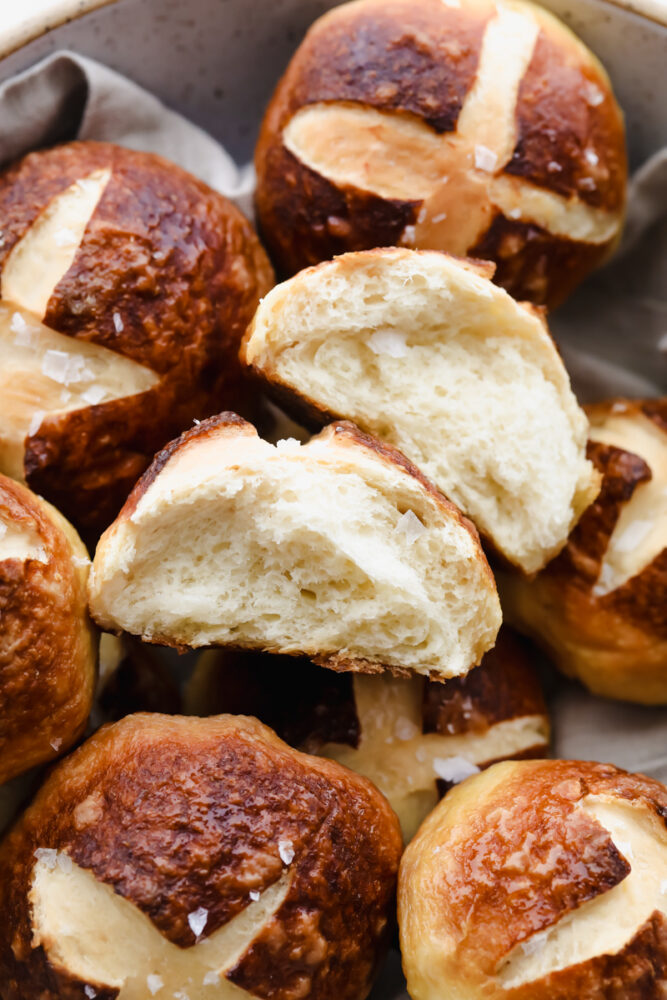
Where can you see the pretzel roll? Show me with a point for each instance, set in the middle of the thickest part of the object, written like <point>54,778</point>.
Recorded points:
<point>539,880</point>
<point>600,608</point>
<point>478,128</point>
<point>48,648</point>
<point>412,737</point>
<point>339,550</point>
<point>202,858</point>
<point>125,286</point>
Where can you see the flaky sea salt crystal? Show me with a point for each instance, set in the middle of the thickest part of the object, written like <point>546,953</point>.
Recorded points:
<point>254,895</point>
<point>181,995</point>
<point>154,983</point>
<point>56,744</point>
<point>23,335</point>
<point>197,920</point>
<point>286,851</point>
<point>64,368</point>
<point>211,978</point>
<point>288,444</point>
<point>485,159</point>
<point>454,769</point>
<point>587,184</point>
<point>405,729</point>
<point>94,395</point>
<point>440,217</point>
<point>593,95</point>
<point>408,235</point>
<point>48,855</point>
<point>64,862</point>
<point>410,525</point>
<point>90,992</point>
<point>119,326</point>
<point>389,342</point>
<point>35,422</point>
<point>65,238</point>
<point>591,157</point>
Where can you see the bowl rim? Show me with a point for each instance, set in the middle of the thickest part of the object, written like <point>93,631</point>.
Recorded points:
<point>37,17</point>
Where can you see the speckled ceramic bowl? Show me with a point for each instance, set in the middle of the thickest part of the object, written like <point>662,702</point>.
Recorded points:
<point>217,61</point>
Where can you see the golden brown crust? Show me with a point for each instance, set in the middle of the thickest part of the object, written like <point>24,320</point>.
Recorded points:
<point>48,648</point>
<point>616,642</point>
<point>421,61</point>
<point>520,855</point>
<point>183,268</point>
<point>217,796</point>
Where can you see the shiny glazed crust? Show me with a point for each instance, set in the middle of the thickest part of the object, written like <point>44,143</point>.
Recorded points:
<point>616,643</point>
<point>507,855</point>
<point>226,790</point>
<point>185,270</point>
<point>419,62</point>
<point>48,647</point>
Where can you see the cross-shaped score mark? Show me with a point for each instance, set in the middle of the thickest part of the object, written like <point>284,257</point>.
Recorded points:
<point>602,925</point>
<point>640,534</point>
<point>405,762</point>
<point>103,940</point>
<point>457,176</point>
<point>44,372</point>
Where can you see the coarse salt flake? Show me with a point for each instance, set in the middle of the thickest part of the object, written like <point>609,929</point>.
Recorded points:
<point>56,744</point>
<point>62,367</point>
<point>409,235</point>
<point>591,157</point>
<point>211,978</point>
<point>405,729</point>
<point>197,920</point>
<point>286,851</point>
<point>64,862</point>
<point>454,769</point>
<point>35,422</point>
<point>587,184</point>
<point>48,855</point>
<point>440,217</point>
<point>119,326</point>
<point>593,95</point>
<point>485,159</point>
<point>389,342</point>
<point>90,992</point>
<point>94,394</point>
<point>65,237</point>
<point>181,995</point>
<point>154,983</point>
<point>514,213</point>
<point>288,444</point>
<point>254,895</point>
<point>410,525</point>
<point>23,335</point>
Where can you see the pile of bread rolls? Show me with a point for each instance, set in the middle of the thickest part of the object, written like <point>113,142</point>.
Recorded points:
<point>357,726</point>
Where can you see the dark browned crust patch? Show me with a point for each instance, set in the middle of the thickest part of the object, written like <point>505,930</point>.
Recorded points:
<point>504,686</point>
<point>216,796</point>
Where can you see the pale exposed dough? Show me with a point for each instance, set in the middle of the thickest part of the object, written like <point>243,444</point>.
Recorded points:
<point>101,938</point>
<point>606,923</point>
<point>426,353</point>
<point>403,762</point>
<point>640,533</point>
<point>296,549</point>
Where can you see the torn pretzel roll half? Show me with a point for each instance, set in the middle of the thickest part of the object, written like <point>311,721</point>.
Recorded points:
<point>539,880</point>
<point>338,549</point>
<point>422,350</point>
<point>199,858</point>
<point>414,738</point>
